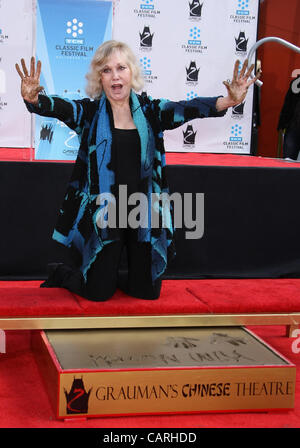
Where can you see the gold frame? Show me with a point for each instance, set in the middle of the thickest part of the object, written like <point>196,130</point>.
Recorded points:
<point>62,359</point>
<point>291,320</point>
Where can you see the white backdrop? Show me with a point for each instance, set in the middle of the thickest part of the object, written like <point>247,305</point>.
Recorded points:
<point>16,41</point>
<point>185,47</point>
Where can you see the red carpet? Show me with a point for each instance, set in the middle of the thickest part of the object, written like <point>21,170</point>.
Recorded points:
<point>25,404</point>
<point>202,159</point>
<point>177,297</point>
<point>172,158</point>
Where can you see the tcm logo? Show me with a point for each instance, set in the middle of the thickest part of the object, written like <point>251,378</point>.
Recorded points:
<point>146,38</point>
<point>238,110</point>
<point>195,9</point>
<point>236,133</point>
<point>77,398</point>
<point>194,36</point>
<point>192,72</point>
<point>2,341</point>
<point>75,31</point>
<point>189,136</point>
<point>145,64</point>
<point>191,95</point>
<point>74,28</point>
<point>241,43</point>
<point>147,4</point>
<point>243,8</point>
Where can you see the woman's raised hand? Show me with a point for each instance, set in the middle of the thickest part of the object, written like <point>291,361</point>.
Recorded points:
<point>238,87</point>
<point>30,85</point>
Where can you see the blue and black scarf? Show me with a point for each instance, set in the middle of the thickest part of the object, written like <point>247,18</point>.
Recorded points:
<point>85,236</point>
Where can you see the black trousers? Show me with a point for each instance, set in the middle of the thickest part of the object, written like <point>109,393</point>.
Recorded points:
<point>104,276</point>
<point>291,142</point>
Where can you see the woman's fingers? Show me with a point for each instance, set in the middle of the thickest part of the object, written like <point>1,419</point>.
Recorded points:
<point>32,66</point>
<point>19,71</point>
<point>226,84</point>
<point>242,72</point>
<point>254,79</point>
<point>24,67</point>
<point>33,73</point>
<point>38,69</point>
<point>249,71</point>
<point>236,70</point>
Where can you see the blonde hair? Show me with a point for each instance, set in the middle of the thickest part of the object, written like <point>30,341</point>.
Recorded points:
<point>94,84</point>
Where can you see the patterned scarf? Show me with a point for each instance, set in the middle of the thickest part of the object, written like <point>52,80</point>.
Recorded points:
<point>152,173</point>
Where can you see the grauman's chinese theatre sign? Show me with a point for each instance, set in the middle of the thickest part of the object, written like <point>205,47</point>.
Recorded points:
<point>156,371</point>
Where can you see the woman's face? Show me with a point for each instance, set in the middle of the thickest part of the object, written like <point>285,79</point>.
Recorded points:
<point>116,77</point>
